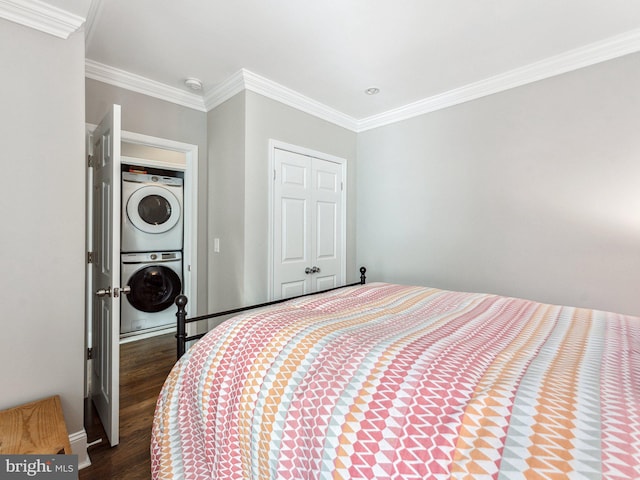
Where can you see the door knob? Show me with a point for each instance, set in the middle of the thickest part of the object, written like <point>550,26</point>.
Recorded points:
<point>308,270</point>
<point>124,291</point>
<point>315,270</point>
<point>104,292</point>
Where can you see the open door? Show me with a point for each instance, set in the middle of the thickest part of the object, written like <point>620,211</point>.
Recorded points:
<point>105,333</point>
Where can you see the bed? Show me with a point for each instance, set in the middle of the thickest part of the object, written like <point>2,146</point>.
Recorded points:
<point>391,381</point>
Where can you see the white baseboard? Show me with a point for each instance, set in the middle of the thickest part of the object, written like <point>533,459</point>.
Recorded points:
<point>78,441</point>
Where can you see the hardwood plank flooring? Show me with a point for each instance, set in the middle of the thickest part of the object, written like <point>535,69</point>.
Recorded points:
<point>144,365</point>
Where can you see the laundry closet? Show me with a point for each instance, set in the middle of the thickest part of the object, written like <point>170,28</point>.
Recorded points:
<point>152,243</point>
<point>141,248</point>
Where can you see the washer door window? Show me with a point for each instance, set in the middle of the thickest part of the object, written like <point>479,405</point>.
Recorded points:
<point>153,209</point>
<point>154,288</point>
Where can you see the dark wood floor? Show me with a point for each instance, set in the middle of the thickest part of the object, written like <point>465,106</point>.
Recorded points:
<point>144,365</point>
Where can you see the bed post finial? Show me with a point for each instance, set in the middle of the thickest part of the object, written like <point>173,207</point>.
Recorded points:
<point>181,329</point>
<point>363,278</point>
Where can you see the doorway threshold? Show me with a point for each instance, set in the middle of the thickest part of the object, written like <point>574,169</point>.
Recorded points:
<point>150,333</point>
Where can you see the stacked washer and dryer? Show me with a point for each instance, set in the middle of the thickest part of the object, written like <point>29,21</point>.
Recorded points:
<point>151,246</point>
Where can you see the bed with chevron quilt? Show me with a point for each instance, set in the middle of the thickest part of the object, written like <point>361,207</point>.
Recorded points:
<point>388,381</point>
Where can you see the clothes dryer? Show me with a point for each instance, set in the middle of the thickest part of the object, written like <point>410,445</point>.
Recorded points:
<point>152,213</point>
<point>155,279</point>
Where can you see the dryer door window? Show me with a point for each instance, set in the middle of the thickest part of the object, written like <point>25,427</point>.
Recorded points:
<point>153,209</point>
<point>154,288</point>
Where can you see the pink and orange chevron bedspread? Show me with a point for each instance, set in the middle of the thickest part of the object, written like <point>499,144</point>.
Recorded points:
<point>387,381</point>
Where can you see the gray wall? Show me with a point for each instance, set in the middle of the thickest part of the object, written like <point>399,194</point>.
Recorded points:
<point>43,219</point>
<point>533,192</point>
<point>226,199</point>
<point>268,119</point>
<point>158,118</point>
<point>239,134</point>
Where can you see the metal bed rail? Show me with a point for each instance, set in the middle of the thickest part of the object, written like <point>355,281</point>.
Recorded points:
<point>182,320</point>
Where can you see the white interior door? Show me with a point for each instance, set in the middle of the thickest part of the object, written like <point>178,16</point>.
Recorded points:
<point>105,374</point>
<point>326,245</point>
<point>292,225</point>
<point>308,224</point>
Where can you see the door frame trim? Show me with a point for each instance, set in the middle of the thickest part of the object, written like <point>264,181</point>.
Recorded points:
<point>279,145</point>
<point>190,169</point>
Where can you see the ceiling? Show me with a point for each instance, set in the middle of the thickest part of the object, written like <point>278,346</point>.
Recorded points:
<point>328,52</point>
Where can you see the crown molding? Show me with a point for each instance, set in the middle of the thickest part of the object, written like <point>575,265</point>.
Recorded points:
<point>60,23</point>
<point>224,90</point>
<point>591,54</point>
<point>247,80</point>
<point>130,81</point>
<point>239,81</point>
<point>244,79</point>
<point>594,53</point>
<point>41,16</point>
<point>282,94</point>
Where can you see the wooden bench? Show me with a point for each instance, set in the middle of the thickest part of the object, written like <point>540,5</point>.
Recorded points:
<point>34,428</point>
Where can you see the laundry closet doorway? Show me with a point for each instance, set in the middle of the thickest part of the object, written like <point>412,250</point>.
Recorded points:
<point>103,334</point>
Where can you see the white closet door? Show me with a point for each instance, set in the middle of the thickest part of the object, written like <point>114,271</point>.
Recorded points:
<point>292,225</point>
<point>326,219</point>
<point>307,224</point>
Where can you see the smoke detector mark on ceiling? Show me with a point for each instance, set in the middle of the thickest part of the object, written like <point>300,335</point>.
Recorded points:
<point>194,84</point>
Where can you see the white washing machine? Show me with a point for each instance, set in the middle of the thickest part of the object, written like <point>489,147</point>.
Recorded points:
<point>152,217</point>
<point>155,279</point>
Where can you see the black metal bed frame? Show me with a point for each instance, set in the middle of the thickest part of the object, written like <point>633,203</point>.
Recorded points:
<point>181,303</point>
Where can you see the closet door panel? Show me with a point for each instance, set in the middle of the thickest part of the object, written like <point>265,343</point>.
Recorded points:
<point>307,244</point>
<point>292,225</point>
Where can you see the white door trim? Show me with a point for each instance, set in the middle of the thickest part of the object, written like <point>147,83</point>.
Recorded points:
<point>278,145</point>
<point>190,169</point>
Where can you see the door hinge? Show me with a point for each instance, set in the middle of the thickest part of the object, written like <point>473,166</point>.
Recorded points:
<point>89,144</point>
<point>89,161</point>
<point>89,257</point>
<point>89,353</point>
